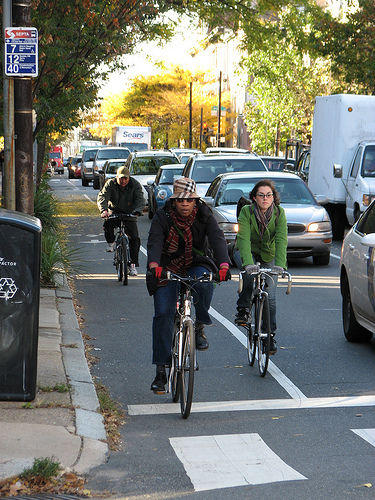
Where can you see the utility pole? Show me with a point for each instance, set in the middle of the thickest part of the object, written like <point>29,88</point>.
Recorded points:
<point>23,123</point>
<point>191,116</point>
<point>8,179</point>
<point>219,114</point>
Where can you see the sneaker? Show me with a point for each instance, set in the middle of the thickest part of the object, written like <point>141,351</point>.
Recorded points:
<point>158,385</point>
<point>132,270</point>
<point>111,247</point>
<point>242,316</point>
<point>201,342</point>
<point>273,348</point>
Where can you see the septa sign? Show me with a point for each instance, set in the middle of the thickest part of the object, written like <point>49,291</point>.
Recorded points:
<point>21,52</point>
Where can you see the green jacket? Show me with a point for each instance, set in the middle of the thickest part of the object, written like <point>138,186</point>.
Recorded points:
<point>275,239</point>
<point>119,200</point>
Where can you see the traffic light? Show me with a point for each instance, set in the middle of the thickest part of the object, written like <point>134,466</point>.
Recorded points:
<point>204,128</point>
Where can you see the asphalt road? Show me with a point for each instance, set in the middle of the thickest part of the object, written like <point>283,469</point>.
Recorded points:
<point>305,431</point>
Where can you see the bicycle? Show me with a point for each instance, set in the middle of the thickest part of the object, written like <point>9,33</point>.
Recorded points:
<point>121,258</point>
<point>259,333</point>
<point>184,362</point>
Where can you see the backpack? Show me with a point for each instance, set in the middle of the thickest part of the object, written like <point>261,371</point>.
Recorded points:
<point>245,201</point>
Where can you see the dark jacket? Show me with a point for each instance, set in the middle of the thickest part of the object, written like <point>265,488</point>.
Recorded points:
<point>121,200</point>
<point>206,235</point>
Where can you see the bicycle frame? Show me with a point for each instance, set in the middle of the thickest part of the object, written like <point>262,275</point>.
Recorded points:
<point>121,258</point>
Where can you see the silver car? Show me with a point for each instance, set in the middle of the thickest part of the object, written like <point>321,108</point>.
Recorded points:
<point>357,279</point>
<point>309,226</point>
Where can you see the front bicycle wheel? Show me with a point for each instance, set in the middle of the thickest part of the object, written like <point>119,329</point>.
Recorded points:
<point>125,263</point>
<point>251,341</point>
<point>118,258</point>
<point>264,337</point>
<point>174,365</point>
<point>186,375</point>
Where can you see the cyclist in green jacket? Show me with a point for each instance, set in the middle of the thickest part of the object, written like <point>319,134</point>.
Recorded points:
<point>262,238</point>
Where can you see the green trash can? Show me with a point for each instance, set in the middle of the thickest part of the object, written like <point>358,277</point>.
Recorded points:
<point>20,255</point>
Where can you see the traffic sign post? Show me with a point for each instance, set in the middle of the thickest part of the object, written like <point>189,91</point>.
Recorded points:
<point>21,52</point>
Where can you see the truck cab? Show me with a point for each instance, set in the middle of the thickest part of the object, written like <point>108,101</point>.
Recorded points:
<point>360,183</point>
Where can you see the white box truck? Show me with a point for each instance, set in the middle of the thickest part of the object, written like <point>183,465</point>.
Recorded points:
<point>342,164</point>
<point>132,137</point>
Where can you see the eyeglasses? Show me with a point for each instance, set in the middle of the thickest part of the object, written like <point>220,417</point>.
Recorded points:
<point>262,195</point>
<point>181,200</point>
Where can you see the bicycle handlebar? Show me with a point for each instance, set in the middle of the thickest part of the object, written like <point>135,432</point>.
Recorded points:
<point>123,216</point>
<point>264,270</point>
<point>205,278</point>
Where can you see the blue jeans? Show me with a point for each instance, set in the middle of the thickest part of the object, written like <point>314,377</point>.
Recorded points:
<point>271,283</point>
<point>165,299</point>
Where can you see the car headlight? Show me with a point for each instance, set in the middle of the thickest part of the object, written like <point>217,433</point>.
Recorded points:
<point>316,227</point>
<point>162,194</point>
<point>229,227</point>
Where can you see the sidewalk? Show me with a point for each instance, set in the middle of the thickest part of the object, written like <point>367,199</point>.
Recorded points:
<point>67,426</point>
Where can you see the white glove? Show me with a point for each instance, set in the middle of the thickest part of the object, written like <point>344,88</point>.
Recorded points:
<point>252,268</point>
<point>278,269</point>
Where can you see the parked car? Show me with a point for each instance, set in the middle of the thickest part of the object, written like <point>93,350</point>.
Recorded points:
<point>274,162</point>
<point>72,166</point>
<point>204,168</point>
<point>357,278</point>
<point>109,170</point>
<point>309,226</point>
<point>88,157</point>
<point>103,154</point>
<point>144,165</point>
<point>161,189</point>
<point>179,151</point>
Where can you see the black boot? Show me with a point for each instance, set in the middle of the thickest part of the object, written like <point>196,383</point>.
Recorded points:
<point>158,385</point>
<point>201,342</point>
<point>273,347</point>
<point>242,316</point>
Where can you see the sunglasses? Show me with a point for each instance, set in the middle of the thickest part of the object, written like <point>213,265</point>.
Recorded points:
<point>262,195</point>
<point>181,200</point>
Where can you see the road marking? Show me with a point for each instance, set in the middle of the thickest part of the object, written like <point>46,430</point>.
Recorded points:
<point>228,461</point>
<point>273,370</point>
<point>255,405</point>
<point>366,434</point>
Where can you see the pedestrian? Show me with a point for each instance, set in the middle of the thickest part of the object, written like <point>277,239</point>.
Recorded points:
<point>122,195</point>
<point>261,238</point>
<point>184,238</point>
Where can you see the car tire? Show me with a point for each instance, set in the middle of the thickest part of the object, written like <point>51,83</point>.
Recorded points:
<point>353,331</point>
<point>71,174</point>
<point>150,211</point>
<point>95,183</point>
<point>322,259</point>
<point>85,182</point>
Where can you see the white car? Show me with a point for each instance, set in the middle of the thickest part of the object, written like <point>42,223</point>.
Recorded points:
<point>357,279</point>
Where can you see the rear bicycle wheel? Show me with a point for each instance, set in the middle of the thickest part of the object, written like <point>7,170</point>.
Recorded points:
<point>251,342</point>
<point>174,365</point>
<point>125,265</point>
<point>186,375</point>
<point>118,259</point>
<point>264,337</point>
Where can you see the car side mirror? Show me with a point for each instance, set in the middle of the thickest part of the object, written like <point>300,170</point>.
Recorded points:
<point>368,240</point>
<point>337,171</point>
<point>150,182</point>
<point>322,199</point>
<point>208,200</point>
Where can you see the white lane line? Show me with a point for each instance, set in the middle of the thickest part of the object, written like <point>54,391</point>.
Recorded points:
<point>366,434</point>
<point>143,250</point>
<point>255,405</point>
<point>228,461</point>
<point>335,256</point>
<point>273,370</point>
<point>71,183</point>
<point>90,200</point>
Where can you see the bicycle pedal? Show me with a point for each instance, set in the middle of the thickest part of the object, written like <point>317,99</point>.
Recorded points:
<point>160,392</point>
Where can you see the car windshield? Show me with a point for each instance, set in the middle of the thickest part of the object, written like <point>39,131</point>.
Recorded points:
<point>113,166</point>
<point>291,191</point>
<point>167,175</point>
<point>274,163</point>
<point>106,154</point>
<point>150,165</point>
<point>55,155</point>
<point>90,153</point>
<point>76,160</point>
<point>207,170</point>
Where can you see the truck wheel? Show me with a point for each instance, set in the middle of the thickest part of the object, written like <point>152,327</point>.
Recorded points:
<point>95,183</point>
<point>85,182</point>
<point>338,219</point>
<point>322,259</point>
<point>353,331</point>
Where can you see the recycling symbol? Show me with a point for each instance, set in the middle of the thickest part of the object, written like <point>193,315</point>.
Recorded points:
<point>7,288</point>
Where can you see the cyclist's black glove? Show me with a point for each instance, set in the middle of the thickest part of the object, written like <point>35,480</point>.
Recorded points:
<point>137,213</point>
<point>152,278</point>
<point>224,274</point>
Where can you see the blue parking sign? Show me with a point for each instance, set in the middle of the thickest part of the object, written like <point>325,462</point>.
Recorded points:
<point>21,52</point>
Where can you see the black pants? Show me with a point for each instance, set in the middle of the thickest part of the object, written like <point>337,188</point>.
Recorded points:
<point>131,229</point>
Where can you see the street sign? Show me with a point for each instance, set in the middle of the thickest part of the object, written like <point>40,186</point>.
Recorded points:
<point>215,109</point>
<point>21,52</point>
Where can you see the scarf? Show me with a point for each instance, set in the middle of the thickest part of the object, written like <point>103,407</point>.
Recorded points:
<point>263,218</point>
<point>171,243</point>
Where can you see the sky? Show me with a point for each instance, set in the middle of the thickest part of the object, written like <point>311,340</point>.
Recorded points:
<point>175,52</point>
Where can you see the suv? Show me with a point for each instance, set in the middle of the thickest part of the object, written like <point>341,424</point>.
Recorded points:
<point>104,154</point>
<point>204,168</point>
<point>144,165</point>
<point>88,157</point>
